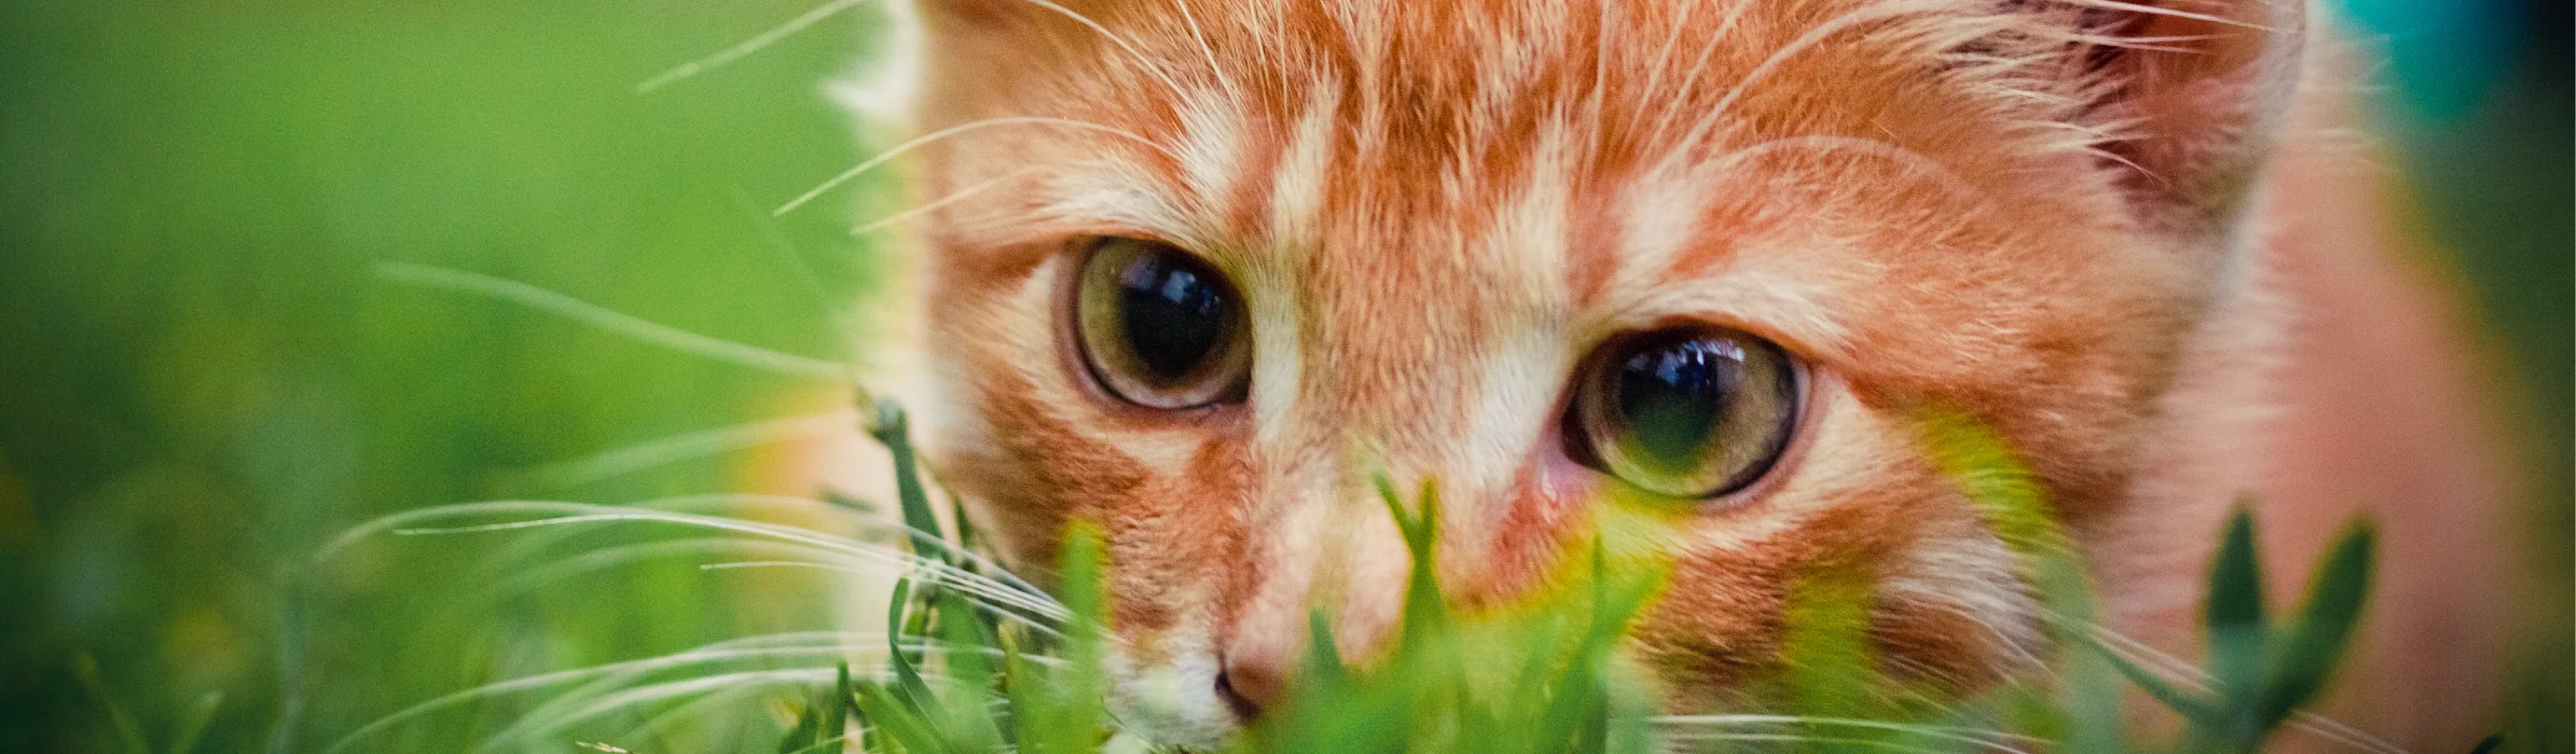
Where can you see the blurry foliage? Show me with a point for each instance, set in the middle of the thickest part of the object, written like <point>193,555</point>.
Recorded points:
<point>202,383</point>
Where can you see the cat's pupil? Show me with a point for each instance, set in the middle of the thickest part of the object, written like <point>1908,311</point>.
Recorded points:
<point>1673,397</point>
<point>1172,315</point>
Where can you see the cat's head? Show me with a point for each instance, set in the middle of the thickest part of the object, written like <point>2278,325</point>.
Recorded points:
<point>1198,270</point>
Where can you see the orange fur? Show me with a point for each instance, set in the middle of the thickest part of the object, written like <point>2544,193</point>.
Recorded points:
<point>1435,209</point>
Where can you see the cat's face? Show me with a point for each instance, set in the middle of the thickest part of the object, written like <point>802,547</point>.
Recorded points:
<point>1217,264</point>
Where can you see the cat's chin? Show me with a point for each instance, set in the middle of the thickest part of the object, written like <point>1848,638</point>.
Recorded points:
<point>1173,702</point>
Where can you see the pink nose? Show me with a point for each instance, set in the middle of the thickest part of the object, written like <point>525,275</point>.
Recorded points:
<point>1250,685</point>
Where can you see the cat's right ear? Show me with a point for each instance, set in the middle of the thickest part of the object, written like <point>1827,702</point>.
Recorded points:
<point>2199,88</point>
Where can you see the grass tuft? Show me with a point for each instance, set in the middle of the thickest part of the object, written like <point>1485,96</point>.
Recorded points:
<point>974,660</point>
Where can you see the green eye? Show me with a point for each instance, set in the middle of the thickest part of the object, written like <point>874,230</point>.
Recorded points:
<point>1693,412</point>
<point>1160,328</point>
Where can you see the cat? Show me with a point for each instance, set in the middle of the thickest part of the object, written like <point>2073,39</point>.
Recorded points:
<point>1197,270</point>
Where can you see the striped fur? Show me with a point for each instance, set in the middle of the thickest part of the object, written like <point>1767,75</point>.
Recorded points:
<point>2026,209</point>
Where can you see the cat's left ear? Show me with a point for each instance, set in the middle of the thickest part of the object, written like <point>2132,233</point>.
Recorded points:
<point>2201,87</point>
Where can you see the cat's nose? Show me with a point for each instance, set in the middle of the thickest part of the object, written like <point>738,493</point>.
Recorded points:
<point>1250,685</point>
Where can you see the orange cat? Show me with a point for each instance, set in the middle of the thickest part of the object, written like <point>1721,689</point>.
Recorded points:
<point>1197,269</point>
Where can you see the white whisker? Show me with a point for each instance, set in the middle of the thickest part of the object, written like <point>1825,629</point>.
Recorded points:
<point>749,46</point>
<point>2177,670</point>
<point>2162,11</point>
<point>743,564</point>
<point>1699,65</point>
<point>1139,56</point>
<point>1214,69</point>
<point>870,522</point>
<point>1796,738</point>
<point>562,513</point>
<point>1918,161</point>
<point>548,721</point>
<point>823,300</point>
<point>1802,43</point>
<point>935,205</point>
<point>611,320</point>
<point>642,552</point>
<point>841,643</point>
<point>644,455</point>
<point>884,157</point>
<point>1663,56</point>
<point>1985,738</point>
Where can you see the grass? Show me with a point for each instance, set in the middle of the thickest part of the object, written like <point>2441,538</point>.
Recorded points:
<point>974,660</point>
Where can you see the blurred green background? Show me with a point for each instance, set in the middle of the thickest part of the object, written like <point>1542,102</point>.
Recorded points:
<point>201,382</point>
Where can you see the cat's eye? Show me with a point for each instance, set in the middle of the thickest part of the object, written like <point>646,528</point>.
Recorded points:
<point>1685,412</point>
<point>1160,328</point>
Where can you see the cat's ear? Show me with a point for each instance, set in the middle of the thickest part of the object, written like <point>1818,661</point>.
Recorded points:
<point>2198,89</point>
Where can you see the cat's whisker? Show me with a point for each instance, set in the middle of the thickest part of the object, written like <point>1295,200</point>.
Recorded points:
<point>1814,36</point>
<point>720,699</point>
<point>2337,731</point>
<point>918,142</point>
<point>2177,670</point>
<point>2155,10</point>
<point>2168,43</point>
<point>2003,636</point>
<point>1123,43</point>
<point>644,552</point>
<point>823,300</point>
<point>549,301</point>
<point>872,523</point>
<point>562,513</point>
<point>742,564</point>
<point>1918,161</point>
<point>1216,69</point>
<point>1037,626</point>
<point>1699,66</point>
<point>747,47</point>
<point>724,685</point>
<point>629,459</point>
<point>613,695</point>
<point>549,721</point>
<point>1655,73</point>
<point>748,648</point>
<point>1802,738</point>
<point>935,205</point>
<point>1992,739</point>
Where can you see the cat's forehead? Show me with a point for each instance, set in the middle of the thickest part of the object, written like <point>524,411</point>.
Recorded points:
<point>1794,168</point>
<point>1373,128</point>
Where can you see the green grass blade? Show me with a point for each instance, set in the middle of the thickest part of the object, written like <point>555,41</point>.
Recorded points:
<point>2232,618</point>
<point>893,429</point>
<point>1076,722</point>
<point>807,730</point>
<point>193,726</point>
<point>1323,654</point>
<point>129,736</point>
<point>914,693</point>
<point>963,632</point>
<point>2199,711</point>
<point>896,722</point>
<point>843,698</point>
<point>1425,612</point>
<point>2312,648</point>
<point>2489,745</point>
<point>1021,681</point>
